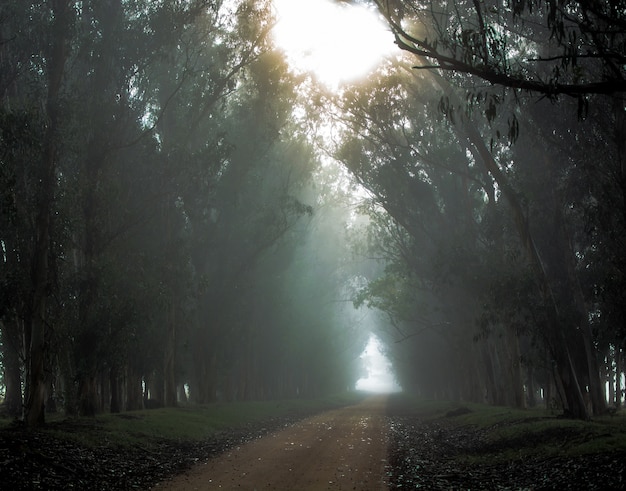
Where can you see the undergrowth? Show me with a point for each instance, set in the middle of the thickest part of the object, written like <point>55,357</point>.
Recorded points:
<point>507,434</point>
<point>185,423</point>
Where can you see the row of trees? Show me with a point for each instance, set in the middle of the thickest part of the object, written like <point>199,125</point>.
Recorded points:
<point>498,209</point>
<point>161,236</point>
<point>156,210</point>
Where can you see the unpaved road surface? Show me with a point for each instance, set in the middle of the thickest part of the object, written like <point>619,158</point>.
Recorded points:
<point>340,449</point>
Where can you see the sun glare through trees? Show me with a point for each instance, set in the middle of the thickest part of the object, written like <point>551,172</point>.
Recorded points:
<point>212,203</point>
<point>320,37</point>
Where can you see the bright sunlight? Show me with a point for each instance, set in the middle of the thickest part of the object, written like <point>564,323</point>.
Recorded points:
<point>336,42</point>
<point>379,378</point>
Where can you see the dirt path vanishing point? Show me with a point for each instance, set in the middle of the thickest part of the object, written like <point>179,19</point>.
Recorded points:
<point>340,449</point>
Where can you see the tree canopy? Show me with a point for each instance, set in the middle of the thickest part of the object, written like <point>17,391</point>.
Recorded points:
<point>185,217</point>
<point>573,48</point>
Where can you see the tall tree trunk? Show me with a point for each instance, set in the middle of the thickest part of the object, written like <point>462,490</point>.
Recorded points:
<point>88,395</point>
<point>490,382</point>
<point>620,348</point>
<point>572,309</point>
<point>11,348</point>
<point>36,325</point>
<point>574,397</point>
<point>87,344</point>
<point>134,395</point>
<point>85,350</point>
<point>114,383</point>
<point>170,396</point>
<point>556,328</point>
<point>516,383</point>
<point>609,377</point>
<point>169,365</point>
<point>182,394</point>
<point>530,386</point>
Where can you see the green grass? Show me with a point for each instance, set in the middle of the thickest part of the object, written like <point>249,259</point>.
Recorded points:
<point>186,423</point>
<point>504,434</point>
<point>508,434</point>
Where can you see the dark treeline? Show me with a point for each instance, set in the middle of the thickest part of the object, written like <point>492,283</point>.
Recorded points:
<point>167,230</point>
<point>155,209</point>
<point>496,163</point>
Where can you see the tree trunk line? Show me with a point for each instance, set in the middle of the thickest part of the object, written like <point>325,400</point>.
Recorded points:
<point>36,316</point>
<point>560,331</point>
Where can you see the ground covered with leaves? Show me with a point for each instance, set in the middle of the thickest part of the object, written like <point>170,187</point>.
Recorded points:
<point>439,452</point>
<point>41,460</point>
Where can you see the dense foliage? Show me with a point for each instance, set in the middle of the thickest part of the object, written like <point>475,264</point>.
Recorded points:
<point>499,214</point>
<point>168,228</point>
<point>155,208</point>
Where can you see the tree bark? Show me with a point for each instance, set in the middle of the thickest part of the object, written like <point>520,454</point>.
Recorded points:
<point>11,347</point>
<point>516,383</point>
<point>36,318</point>
<point>574,397</point>
<point>559,344</point>
<point>619,371</point>
<point>88,395</point>
<point>114,383</point>
<point>134,395</point>
<point>170,390</point>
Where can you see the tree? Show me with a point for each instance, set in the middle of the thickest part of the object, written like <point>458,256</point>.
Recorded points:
<point>421,177</point>
<point>389,154</point>
<point>153,184</point>
<point>36,328</point>
<point>253,205</point>
<point>21,133</point>
<point>574,48</point>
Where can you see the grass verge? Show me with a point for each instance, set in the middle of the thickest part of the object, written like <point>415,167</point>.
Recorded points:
<point>506,434</point>
<point>185,423</point>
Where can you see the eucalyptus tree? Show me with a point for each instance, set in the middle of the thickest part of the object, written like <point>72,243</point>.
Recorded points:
<point>20,137</point>
<point>118,50</point>
<point>598,192</point>
<point>188,111</point>
<point>536,181</point>
<point>253,204</point>
<point>423,179</point>
<point>35,44</point>
<point>92,68</point>
<point>584,165</point>
<point>573,49</point>
<point>322,335</point>
<point>176,96</point>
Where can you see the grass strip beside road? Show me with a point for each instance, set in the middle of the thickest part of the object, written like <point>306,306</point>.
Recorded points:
<point>502,433</point>
<point>505,434</point>
<point>185,423</point>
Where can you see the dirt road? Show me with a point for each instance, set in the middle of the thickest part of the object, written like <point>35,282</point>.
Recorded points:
<point>340,449</point>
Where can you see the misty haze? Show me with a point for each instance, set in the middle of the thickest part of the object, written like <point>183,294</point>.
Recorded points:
<point>312,244</point>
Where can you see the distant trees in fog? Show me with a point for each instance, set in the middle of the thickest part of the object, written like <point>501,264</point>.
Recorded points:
<point>154,212</point>
<point>167,229</point>
<point>502,217</point>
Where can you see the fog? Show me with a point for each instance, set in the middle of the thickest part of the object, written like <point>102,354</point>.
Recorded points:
<point>178,225</point>
<point>380,377</point>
